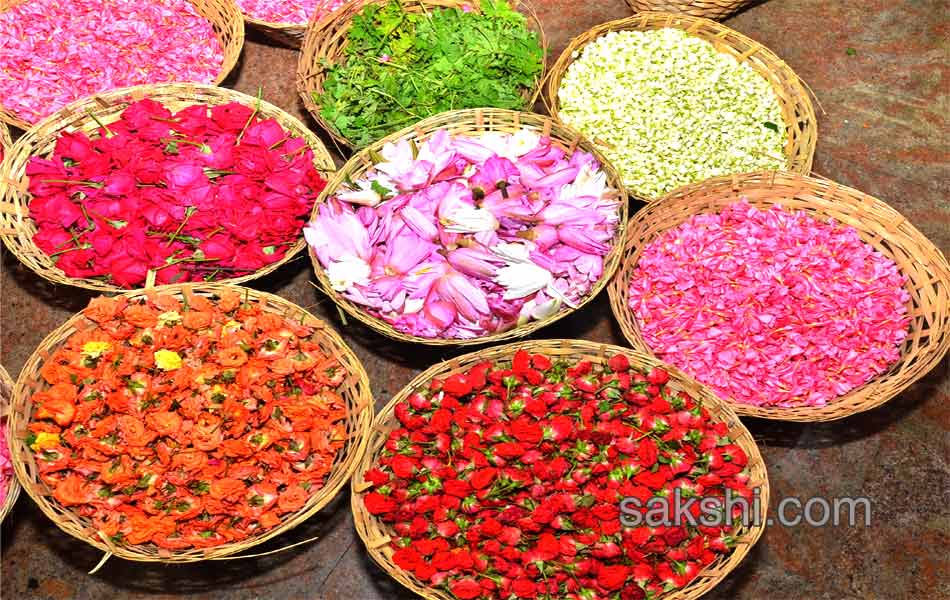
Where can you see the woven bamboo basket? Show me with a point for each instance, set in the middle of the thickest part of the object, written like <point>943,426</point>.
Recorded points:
<point>926,269</point>
<point>288,34</point>
<point>355,390</point>
<point>5,141</point>
<point>326,39</point>
<point>6,397</point>
<point>17,228</point>
<point>377,535</point>
<point>473,122</point>
<point>797,110</point>
<point>716,10</point>
<point>225,18</point>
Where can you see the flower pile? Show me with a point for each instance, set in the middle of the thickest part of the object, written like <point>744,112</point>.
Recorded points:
<point>506,481</point>
<point>770,307</point>
<point>399,67</point>
<point>672,109</point>
<point>187,423</point>
<point>201,194</point>
<point>464,236</point>
<point>6,466</point>
<point>55,51</point>
<point>288,11</point>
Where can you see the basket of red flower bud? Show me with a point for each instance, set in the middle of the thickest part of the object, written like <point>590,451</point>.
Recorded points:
<point>791,297</point>
<point>9,488</point>
<point>470,227</point>
<point>526,470</point>
<point>158,185</point>
<point>188,422</point>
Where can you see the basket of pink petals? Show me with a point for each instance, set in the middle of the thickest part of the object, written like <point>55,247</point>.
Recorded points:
<point>793,298</point>
<point>54,52</point>
<point>473,226</point>
<point>285,21</point>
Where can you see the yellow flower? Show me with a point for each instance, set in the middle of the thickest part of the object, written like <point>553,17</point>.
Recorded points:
<point>169,318</point>
<point>167,360</point>
<point>45,441</point>
<point>96,349</point>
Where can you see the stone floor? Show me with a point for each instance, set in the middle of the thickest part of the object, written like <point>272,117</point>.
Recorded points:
<point>880,71</point>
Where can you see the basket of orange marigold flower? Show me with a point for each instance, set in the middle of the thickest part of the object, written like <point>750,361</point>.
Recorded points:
<point>188,422</point>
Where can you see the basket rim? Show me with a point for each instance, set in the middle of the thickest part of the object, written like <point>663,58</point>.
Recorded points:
<point>422,130</point>
<point>362,413</point>
<point>721,412</point>
<point>668,213</point>
<point>725,36</point>
<point>13,486</point>
<point>710,9</point>
<point>59,122</point>
<point>309,55</point>
<point>231,52</point>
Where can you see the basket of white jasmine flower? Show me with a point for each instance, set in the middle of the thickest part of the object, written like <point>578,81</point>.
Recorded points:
<point>672,99</point>
<point>470,227</point>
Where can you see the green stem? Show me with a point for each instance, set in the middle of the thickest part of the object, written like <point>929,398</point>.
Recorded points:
<point>188,212</point>
<point>257,108</point>
<point>100,123</point>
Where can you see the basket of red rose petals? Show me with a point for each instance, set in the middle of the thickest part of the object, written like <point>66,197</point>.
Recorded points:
<point>159,185</point>
<point>188,422</point>
<point>472,226</point>
<point>55,53</point>
<point>531,470</point>
<point>791,297</point>
<point>9,488</point>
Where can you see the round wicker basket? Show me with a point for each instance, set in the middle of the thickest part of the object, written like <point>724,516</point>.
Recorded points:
<point>377,535</point>
<point>716,10</point>
<point>797,110</point>
<point>287,34</point>
<point>473,122</point>
<point>225,18</point>
<point>928,275</point>
<point>6,398</point>
<point>326,39</point>
<point>17,228</point>
<point>6,142</point>
<point>355,390</point>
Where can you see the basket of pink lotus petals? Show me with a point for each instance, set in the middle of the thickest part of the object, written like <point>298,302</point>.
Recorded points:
<point>794,298</point>
<point>285,21</point>
<point>9,488</point>
<point>71,50</point>
<point>473,226</point>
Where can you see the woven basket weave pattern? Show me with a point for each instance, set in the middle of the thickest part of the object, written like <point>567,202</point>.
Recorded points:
<point>377,535</point>
<point>225,18</point>
<point>355,391</point>
<point>716,10</point>
<point>6,397</point>
<point>17,229</point>
<point>926,269</point>
<point>474,122</point>
<point>325,42</point>
<point>797,110</point>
